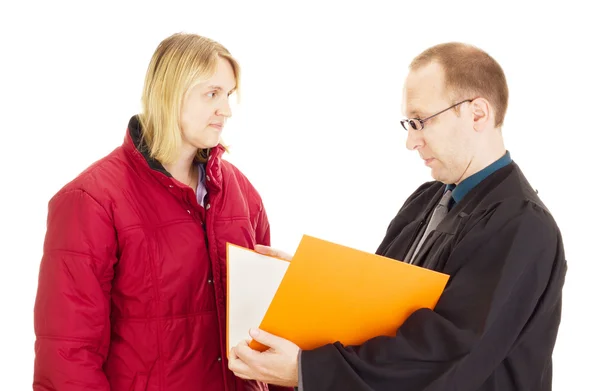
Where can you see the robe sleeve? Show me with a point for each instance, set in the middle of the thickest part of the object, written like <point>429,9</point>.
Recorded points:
<point>508,263</point>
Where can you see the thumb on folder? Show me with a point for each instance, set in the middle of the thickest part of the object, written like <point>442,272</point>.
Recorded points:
<point>276,365</point>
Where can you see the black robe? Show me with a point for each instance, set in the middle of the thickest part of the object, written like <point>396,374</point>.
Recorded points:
<point>495,326</point>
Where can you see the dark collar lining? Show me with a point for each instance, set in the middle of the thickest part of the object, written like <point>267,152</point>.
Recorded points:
<point>135,132</point>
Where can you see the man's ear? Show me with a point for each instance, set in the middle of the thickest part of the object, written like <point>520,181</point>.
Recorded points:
<point>482,113</point>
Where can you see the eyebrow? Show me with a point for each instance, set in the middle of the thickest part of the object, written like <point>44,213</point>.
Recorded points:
<point>219,88</point>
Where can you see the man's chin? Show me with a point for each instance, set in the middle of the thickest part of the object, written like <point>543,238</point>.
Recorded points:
<point>440,177</point>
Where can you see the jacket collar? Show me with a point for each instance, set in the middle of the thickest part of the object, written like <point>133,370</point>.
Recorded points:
<point>135,144</point>
<point>136,147</point>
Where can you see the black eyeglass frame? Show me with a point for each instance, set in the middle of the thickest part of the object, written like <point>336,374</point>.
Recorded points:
<point>413,121</point>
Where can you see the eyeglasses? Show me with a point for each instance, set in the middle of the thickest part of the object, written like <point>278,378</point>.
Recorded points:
<point>419,124</point>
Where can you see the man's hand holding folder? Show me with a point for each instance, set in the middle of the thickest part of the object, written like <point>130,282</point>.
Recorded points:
<point>327,293</point>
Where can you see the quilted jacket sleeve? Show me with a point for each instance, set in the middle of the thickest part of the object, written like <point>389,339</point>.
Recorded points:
<point>263,229</point>
<point>71,314</point>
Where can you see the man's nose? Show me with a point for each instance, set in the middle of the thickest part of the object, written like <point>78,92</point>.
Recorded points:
<point>414,140</point>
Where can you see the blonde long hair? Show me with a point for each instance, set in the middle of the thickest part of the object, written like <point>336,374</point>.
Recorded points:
<point>180,62</point>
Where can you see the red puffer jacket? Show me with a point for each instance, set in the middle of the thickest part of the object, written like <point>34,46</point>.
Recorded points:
<point>131,293</point>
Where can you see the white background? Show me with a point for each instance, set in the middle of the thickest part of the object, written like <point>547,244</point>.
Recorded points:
<point>317,130</point>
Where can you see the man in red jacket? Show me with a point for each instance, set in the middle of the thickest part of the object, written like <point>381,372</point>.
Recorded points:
<point>131,293</point>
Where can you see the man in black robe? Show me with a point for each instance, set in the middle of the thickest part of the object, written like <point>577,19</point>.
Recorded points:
<point>480,221</point>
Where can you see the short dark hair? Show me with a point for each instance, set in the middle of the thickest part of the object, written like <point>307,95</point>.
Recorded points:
<point>469,73</point>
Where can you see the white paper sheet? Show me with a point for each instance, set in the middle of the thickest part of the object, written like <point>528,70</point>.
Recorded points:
<point>253,280</point>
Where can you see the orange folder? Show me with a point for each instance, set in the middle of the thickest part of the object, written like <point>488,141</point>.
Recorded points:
<point>331,292</point>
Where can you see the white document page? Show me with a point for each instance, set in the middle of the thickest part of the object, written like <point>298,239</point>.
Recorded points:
<point>253,280</point>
